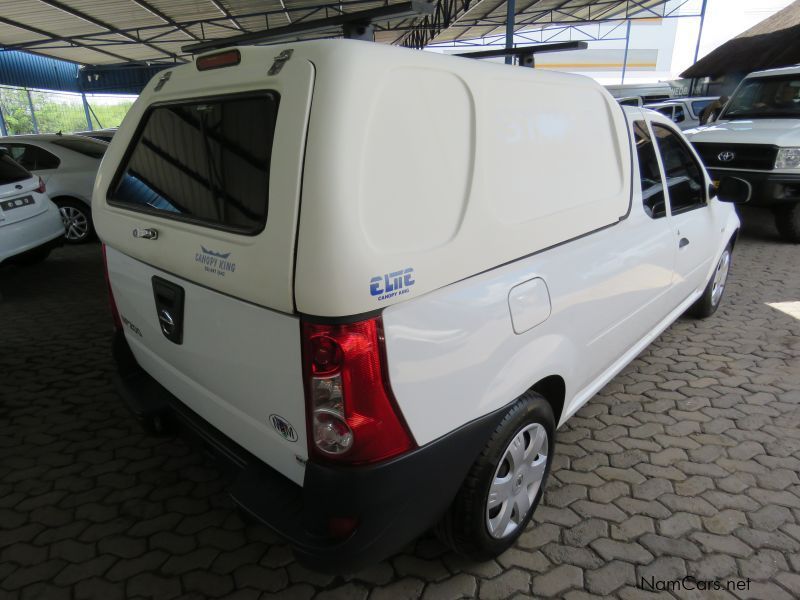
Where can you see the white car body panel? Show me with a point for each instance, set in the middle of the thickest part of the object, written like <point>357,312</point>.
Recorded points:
<point>27,227</point>
<point>453,355</point>
<point>781,132</point>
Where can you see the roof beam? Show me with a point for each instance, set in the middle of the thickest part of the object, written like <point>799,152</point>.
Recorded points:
<point>54,36</point>
<point>224,10</point>
<point>57,4</point>
<point>169,20</point>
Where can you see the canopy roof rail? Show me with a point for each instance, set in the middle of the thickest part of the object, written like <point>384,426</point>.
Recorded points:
<point>526,53</point>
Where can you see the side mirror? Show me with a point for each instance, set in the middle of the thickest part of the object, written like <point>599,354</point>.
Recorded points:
<point>712,191</point>
<point>734,190</point>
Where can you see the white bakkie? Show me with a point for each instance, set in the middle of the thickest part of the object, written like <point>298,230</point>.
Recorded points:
<point>757,138</point>
<point>376,280</point>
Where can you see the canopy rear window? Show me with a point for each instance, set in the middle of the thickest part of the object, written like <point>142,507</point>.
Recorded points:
<point>205,161</point>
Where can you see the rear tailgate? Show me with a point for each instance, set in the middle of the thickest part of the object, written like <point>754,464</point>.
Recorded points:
<point>19,201</point>
<point>197,201</point>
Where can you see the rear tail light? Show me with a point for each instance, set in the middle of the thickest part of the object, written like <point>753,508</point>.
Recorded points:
<point>352,415</point>
<point>42,187</point>
<point>112,303</point>
<point>228,58</point>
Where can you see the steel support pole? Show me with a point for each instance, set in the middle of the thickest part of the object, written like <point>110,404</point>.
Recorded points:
<point>33,112</point>
<point>625,57</point>
<point>700,33</point>
<point>3,130</point>
<point>86,112</point>
<point>511,11</point>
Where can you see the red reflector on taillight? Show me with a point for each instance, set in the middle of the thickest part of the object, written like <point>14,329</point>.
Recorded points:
<point>352,415</point>
<point>228,58</point>
<point>112,303</point>
<point>42,187</point>
<point>341,527</point>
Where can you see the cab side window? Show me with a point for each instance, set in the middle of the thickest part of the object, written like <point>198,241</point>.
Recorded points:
<point>649,175</point>
<point>684,176</point>
<point>679,115</point>
<point>32,158</point>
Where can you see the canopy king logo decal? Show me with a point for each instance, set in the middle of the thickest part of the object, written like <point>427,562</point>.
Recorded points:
<point>218,263</point>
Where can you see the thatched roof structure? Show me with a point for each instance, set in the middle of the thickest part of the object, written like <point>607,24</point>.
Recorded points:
<point>774,42</point>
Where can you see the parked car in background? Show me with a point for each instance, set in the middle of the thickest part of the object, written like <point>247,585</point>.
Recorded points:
<point>645,92</point>
<point>630,101</point>
<point>30,224</point>
<point>685,112</point>
<point>104,135</point>
<point>400,352</point>
<point>757,137</point>
<point>68,165</point>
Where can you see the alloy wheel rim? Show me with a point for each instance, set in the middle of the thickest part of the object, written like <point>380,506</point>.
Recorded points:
<point>76,225</point>
<point>517,480</point>
<point>720,277</point>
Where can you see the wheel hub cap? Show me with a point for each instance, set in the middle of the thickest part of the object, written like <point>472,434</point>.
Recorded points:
<point>76,225</point>
<point>720,277</point>
<point>517,480</point>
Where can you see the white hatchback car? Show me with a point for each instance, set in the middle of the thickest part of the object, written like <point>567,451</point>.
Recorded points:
<point>30,224</point>
<point>380,305</point>
<point>68,165</point>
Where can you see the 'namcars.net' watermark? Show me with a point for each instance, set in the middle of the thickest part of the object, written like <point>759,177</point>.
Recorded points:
<point>689,583</point>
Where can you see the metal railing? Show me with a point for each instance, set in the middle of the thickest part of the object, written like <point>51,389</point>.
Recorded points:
<point>24,110</point>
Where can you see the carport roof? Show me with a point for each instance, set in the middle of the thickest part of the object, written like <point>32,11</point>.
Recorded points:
<point>120,31</point>
<point>772,43</point>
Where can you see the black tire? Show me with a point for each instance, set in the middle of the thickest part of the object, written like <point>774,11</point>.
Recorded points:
<point>33,257</point>
<point>707,304</point>
<point>464,527</point>
<point>77,217</point>
<point>787,221</point>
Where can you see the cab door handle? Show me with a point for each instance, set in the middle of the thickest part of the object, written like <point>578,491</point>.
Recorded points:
<point>683,242</point>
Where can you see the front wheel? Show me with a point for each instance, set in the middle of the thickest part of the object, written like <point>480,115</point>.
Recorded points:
<point>707,304</point>
<point>787,221</point>
<point>77,219</point>
<point>504,486</point>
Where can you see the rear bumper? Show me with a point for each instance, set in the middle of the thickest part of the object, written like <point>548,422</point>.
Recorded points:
<point>393,502</point>
<point>30,234</point>
<point>769,189</point>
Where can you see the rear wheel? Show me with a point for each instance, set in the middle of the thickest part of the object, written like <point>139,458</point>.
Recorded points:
<point>787,221</point>
<point>77,218</point>
<point>504,486</point>
<point>707,304</point>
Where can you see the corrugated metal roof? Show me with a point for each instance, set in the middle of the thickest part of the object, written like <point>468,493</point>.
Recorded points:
<point>119,31</point>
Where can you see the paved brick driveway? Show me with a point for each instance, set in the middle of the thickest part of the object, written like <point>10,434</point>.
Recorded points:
<point>687,463</point>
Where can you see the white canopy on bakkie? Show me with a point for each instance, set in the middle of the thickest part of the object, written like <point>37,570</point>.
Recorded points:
<point>348,163</point>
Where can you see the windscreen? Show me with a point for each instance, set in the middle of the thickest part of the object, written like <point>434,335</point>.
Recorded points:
<point>205,161</point>
<point>765,98</point>
<point>10,171</point>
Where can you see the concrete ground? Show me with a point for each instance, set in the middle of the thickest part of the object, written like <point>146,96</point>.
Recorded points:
<point>687,463</point>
